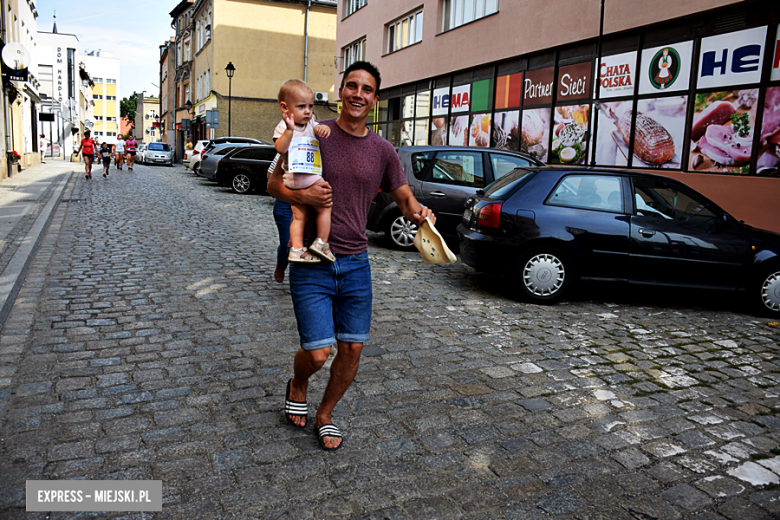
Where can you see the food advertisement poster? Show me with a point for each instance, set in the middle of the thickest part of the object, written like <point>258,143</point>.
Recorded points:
<point>570,135</point>
<point>506,130</point>
<point>509,90</point>
<point>535,132</point>
<point>479,131</point>
<point>407,133</point>
<point>731,59</point>
<point>617,75</point>
<point>574,81</point>
<point>459,100</point>
<point>666,68</point>
<point>769,151</point>
<point>421,132</point>
<point>459,131</point>
<point>722,131</point>
<point>775,75</point>
<point>438,131</point>
<point>441,101</point>
<point>538,87</point>
<point>611,148</point>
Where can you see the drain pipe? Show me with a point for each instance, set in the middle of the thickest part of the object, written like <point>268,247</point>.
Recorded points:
<point>306,42</point>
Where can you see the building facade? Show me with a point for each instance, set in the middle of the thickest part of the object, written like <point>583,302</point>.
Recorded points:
<point>147,118</point>
<point>492,73</point>
<point>104,69</point>
<point>167,91</point>
<point>181,60</point>
<point>267,42</point>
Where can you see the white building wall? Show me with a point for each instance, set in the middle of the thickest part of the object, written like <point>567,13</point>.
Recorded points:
<point>103,65</point>
<point>53,52</point>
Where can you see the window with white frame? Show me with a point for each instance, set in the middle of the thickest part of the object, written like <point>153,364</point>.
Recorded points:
<point>111,81</point>
<point>354,52</point>
<point>459,12</point>
<point>207,83</point>
<point>404,32</point>
<point>353,5</point>
<point>198,89</point>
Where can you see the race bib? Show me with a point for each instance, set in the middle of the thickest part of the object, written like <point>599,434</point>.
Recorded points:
<point>303,156</point>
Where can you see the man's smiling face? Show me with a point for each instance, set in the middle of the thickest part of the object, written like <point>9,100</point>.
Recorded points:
<point>358,96</point>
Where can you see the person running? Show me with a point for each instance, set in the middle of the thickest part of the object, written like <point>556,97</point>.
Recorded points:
<point>43,148</point>
<point>332,301</point>
<point>119,151</point>
<point>87,149</point>
<point>131,145</point>
<point>105,157</point>
<point>296,100</point>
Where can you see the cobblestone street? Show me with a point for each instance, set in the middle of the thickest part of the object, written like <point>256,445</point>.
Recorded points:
<point>151,342</point>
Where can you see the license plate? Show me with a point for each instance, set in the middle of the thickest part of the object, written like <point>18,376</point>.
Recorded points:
<point>467,215</point>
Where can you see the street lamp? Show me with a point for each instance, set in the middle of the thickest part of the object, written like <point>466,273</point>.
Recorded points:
<point>230,70</point>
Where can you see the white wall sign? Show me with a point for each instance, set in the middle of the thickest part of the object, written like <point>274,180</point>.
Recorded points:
<point>441,101</point>
<point>776,62</point>
<point>666,68</point>
<point>459,100</point>
<point>731,59</point>
<point>617,75</point>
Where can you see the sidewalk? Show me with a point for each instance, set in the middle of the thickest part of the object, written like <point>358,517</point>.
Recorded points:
<point>27,203</point>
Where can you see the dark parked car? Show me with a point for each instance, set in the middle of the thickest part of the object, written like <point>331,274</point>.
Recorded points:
<point>548,228</point>
<point>194,160</point>
<point>442,178</point>
<point>210,159</point>
<point>244,169</point>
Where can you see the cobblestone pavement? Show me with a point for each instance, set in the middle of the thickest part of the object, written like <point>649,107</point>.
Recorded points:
<point>150,342</point>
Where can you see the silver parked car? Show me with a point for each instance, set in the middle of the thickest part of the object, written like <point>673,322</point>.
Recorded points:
<point>209,161</point>
<point>157,153</point>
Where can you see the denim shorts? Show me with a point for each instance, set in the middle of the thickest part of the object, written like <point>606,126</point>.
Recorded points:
<point>332,301</point>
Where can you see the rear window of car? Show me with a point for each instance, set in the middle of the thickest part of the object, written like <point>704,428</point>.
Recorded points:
<point>223,151</point>
<point>247,153</point>
<point>160,147</point>
<point>265,154</point>
<point>508,184</point>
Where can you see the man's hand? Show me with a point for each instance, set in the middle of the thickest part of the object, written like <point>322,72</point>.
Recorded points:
<point>322,131</point>
<point>410,207</point>
<point>425,212</point>
<point>318,194</point>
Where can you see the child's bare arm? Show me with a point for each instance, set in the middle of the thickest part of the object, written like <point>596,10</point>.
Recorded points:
<point>321,131</point>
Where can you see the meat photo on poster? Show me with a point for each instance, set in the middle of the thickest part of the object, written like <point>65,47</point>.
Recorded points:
<point>769,151</point>
<point>722,131</point>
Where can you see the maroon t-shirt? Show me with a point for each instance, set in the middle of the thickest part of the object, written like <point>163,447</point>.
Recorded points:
<point>356,169</point>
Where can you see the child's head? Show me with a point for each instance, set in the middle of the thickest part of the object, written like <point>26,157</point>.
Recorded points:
<point>296,97</point>
<point>103,145</point>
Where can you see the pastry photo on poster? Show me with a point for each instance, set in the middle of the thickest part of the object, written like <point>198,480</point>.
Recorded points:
<point>506,130</point>
<point>769,151</point>
<point>722,131</point>
<point>658,134</point>
<point>479,131</point>
<point>439,131</point>
<point>459,131</point>
<point>535,132</point>
<point>570,135</point>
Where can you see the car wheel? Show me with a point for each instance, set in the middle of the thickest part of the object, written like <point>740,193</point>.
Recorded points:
<point>400,233</point>
<point>196,170</point>
<point>242,182</point>
<point>545,275</point>
<point>766,291</point>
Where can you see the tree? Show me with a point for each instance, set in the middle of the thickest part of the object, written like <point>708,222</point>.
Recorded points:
<point>127,107</point>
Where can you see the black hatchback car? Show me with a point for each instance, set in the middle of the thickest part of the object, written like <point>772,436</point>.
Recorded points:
<point>547,228</point>
<point>442,178</point>
<point>244,169</point>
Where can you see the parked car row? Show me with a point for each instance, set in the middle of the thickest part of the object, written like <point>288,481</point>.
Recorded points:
<point>155,153</point>
<point>192,158</point>
<point>548,228</point>
<point>239,163</point>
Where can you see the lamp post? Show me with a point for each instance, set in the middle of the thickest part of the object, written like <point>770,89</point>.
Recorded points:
<point>230,70</point>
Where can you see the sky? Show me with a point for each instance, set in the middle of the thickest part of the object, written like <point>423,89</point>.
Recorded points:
<point>132,30</point>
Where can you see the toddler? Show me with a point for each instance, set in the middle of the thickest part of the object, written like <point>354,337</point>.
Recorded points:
<point>105,156</point>
<point>296,100</point>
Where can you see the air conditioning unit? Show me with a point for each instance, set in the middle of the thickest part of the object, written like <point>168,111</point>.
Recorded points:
<point>320,97</point>
<point>148,130</point>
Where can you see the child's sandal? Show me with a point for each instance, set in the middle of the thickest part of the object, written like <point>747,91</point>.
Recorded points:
<point>322,249</point>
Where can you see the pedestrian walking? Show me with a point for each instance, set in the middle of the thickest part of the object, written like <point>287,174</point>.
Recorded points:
<point>188,146</point>
<point>43,148</point>
<point>119,151</point>
<point>131,145</point>
<point>332,301</point>
<point>296,100</point>
<point>105,156</point>
<point>87,147</point>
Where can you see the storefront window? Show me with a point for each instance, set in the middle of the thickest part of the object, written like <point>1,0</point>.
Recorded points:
<point>421,132</point>
<point>423,104</point>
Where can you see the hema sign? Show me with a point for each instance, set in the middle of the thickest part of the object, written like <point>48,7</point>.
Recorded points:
<point>731,59</point>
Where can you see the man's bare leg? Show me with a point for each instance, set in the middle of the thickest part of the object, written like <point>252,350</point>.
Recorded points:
<point>307,362</point>
<point>342,373</point>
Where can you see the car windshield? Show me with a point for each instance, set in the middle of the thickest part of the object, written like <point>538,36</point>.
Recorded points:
<point>164,147</point>
<point>507,184</point>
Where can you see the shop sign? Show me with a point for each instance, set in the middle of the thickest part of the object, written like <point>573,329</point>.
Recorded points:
<point>538,87</point>
<point>731,59</point>
<point>666,68</point>
<point>574,81</point>
<point>617,75</point>
<point>441,101</point>
<point>459,100</point>
<point>776,62</point>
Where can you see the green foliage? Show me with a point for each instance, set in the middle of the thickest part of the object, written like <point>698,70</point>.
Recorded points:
<point>127,107</point>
